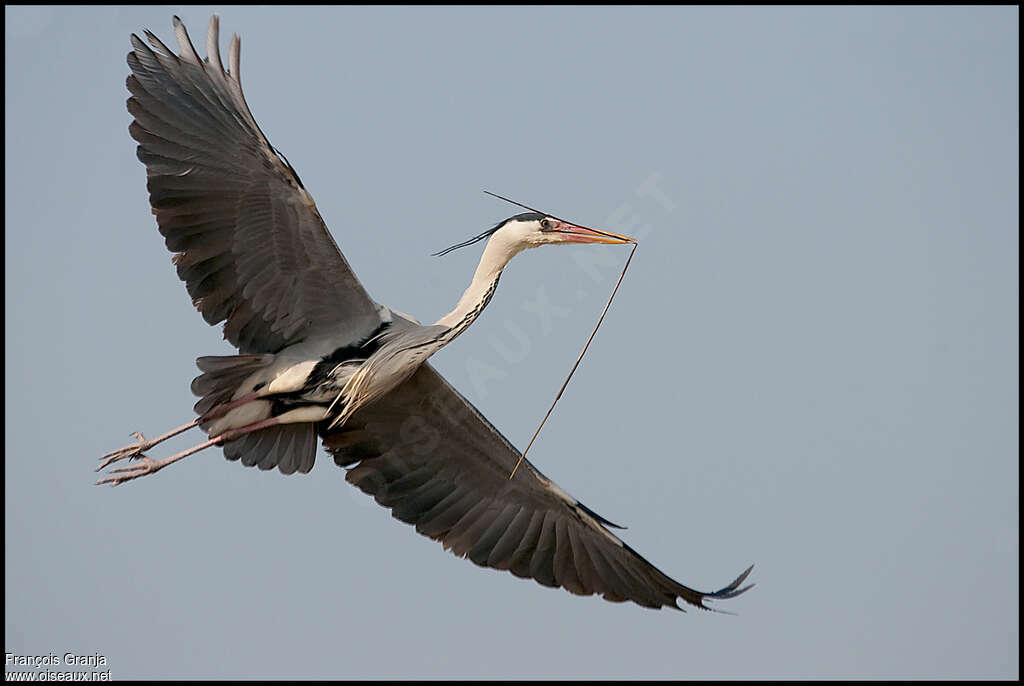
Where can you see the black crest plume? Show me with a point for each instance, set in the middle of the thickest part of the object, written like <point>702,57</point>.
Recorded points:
<point>488,232</point>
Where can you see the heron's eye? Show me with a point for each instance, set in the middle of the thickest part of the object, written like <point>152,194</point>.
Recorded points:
<point>545,225</point>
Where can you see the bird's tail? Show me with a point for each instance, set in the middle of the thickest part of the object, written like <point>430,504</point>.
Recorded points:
<point>289,447</point>
<point>222,376</point>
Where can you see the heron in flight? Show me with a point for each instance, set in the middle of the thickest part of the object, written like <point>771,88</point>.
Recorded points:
<point>318,356</point>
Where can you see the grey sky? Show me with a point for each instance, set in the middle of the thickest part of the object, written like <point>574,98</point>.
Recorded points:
<point>811,365</point>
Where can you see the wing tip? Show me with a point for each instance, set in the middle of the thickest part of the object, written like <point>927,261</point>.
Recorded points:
<point>733,589</point>
<point>726,592</point>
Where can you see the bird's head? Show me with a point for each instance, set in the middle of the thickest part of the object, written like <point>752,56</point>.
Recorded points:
<point>533,229</point>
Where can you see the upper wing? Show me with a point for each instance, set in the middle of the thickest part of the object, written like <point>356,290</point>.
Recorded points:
<point>251,246</point>
<point>425,452</point>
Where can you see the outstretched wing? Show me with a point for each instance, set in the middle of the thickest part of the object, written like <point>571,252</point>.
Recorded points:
<point>250,244</point>
<point>427,454</point>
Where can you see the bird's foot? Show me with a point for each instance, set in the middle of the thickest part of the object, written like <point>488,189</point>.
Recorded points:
<point>144,465</point>
<point>130,451</point>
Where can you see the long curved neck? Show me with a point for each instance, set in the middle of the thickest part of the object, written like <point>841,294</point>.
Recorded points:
<point>485,280</point>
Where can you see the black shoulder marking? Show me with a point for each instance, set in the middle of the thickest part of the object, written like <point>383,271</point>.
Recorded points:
<point>358,351</point>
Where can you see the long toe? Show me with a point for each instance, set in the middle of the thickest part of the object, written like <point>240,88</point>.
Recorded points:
<point>129,451</point>
<point>144,466</point>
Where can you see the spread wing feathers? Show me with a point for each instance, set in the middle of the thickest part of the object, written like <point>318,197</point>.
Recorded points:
<point>290,447</point>
<point>250,244</point>
<point>427,454</point>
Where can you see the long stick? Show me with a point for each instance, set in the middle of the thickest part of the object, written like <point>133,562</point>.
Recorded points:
<point>578,360</point>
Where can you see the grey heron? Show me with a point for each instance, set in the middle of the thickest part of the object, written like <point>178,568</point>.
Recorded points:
<point>318,356</point>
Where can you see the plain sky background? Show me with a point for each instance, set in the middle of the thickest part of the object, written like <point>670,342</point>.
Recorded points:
<point>811,364</point>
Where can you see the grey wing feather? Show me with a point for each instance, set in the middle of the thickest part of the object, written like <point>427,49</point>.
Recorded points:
<point>427,454</point>
<point>250,244</point>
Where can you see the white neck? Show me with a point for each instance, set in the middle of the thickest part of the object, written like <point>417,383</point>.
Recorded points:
<point>496,255</point>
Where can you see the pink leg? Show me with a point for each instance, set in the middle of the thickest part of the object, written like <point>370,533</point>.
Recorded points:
<point>147,465</point>
<point>142,444</point>
<point>220,410</point>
